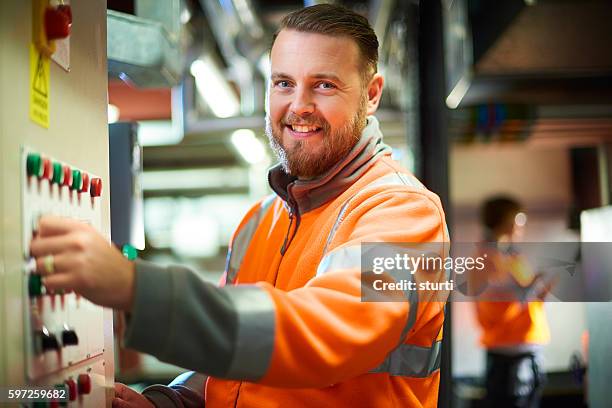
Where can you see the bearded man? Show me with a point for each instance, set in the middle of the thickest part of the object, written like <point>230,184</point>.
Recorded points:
<point>288,326</point>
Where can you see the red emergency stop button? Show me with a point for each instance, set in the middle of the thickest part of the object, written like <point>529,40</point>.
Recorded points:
<point>95,187</point>
<point>58,21</point>
<point>84,381</point>
<point>85,185</point>
<point>72,389</point>
<point>67,175</point>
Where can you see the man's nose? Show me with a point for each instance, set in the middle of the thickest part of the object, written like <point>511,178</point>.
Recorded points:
<point>302,103</point>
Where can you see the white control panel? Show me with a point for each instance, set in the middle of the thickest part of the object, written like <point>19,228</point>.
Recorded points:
<point>63,330</point>
<point>54,153</point>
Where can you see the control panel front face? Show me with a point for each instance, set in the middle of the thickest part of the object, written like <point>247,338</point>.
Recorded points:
<point>64,339</point>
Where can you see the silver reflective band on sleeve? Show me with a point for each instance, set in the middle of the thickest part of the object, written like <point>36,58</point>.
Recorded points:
<point>408,360</point>
<point>255,337</point>
<point>348,257</point>
<point>241,241</point>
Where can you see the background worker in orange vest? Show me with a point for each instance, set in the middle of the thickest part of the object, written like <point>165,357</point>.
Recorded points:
<point>287,327</point>
<point>513,331</point>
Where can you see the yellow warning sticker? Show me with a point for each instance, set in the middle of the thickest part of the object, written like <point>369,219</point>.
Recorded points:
<point>39,87</point>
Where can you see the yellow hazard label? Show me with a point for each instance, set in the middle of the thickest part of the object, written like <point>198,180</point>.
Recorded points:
<point>39,87</point>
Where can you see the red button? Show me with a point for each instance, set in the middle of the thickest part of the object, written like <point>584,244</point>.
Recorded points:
<point>85,186</point>
<point>67,176</point>
<point>47,169</point>
<point>57,22</point>
<point>84,383</point>
<point>72,389</point>
<point>96,187</point>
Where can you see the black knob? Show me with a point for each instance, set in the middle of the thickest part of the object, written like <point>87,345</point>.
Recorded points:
<point>48,340</point>
<point>69,338</point>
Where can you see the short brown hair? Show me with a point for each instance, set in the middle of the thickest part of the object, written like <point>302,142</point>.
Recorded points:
<point>334,20</point>
<point>496,210</point>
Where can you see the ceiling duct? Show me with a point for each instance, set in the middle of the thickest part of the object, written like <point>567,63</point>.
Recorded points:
<point>530,52</point>
<point>145,48</point>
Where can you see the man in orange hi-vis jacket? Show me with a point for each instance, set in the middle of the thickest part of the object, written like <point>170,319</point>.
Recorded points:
<point>287,327</point>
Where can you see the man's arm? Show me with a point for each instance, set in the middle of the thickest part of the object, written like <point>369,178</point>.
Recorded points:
<point>186,391</point>
<point>260,333</point>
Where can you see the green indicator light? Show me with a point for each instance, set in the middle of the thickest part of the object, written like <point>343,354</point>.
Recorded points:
<point>76,180</point>
<point>58,173</point>
<point>35,285</point>
<point>130,252</point>
<point>34,165</point>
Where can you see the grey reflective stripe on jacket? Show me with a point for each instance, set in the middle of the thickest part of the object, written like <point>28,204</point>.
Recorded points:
<point>409,360</point>
<point>241,241</point>
<point>225,332</point>
<point>406,359</point>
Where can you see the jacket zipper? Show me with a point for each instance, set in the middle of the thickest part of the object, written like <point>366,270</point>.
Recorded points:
<point>237,394</point>
<point>288,238</point>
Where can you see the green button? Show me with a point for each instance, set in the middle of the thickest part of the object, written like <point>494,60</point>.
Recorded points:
<point>35,285</point>
<point>58,173</point>
<point>63,387</point>
<point>76,180</point>
<point>130,252</point>
<point>34,165</point>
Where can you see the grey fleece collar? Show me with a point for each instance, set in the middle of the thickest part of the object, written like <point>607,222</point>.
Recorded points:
<point>305,195</point>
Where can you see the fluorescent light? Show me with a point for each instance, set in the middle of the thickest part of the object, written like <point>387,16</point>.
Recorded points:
<point>520,219</point>
<point>214,89</point>
<point>250,148</point>
<point>157,133</point>
<point>454,98</point>
<point>113,113</point>
<point>195,234</point>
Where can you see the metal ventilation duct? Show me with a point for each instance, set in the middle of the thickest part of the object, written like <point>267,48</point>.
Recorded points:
<point>531,52</point>
<point>146,51</point>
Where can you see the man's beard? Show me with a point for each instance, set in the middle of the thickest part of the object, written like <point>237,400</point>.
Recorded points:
<point>335,145</point>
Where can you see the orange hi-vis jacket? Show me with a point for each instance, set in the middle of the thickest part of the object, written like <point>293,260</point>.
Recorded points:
<point>327,348</point>
<point>288,327</point>
<point>511,325</point>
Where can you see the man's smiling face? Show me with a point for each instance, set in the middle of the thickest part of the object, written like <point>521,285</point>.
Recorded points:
<point>317,101</point>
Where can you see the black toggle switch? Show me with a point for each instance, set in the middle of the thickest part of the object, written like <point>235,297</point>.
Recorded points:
<point>48,340</point>
<point>69,337</point>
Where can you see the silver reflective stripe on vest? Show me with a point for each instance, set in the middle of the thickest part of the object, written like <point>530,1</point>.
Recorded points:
<point>243,238</point>
<point>409,360</point>
<point>255,338</point>
<point>404,360</point>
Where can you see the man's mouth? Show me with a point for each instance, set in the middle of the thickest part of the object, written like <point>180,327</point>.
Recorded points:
<point>303,130</point>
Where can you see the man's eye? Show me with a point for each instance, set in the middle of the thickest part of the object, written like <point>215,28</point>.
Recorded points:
<point>282,84</point>
<point>326,85</point>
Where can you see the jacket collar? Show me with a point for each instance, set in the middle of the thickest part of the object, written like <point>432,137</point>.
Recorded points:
<point>305,195</point>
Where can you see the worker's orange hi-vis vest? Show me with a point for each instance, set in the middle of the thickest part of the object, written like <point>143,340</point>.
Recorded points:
<point>511,324</point>
<point>325,347</point>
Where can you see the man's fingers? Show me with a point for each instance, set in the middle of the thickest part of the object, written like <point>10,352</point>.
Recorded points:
<point>50,264</point>
<point>52,245</point>
<point>61,281</point>
<point>119,403</point>
<point>120,390</point>
<point>51,225</point>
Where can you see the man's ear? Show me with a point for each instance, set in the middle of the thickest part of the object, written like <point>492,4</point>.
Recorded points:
<point>375,87</point>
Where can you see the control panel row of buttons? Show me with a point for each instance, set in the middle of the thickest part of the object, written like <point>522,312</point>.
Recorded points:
<point>72,388</point>
<point>62,175</point>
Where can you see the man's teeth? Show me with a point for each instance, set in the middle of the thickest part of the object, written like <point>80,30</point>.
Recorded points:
<point>303,129</point>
